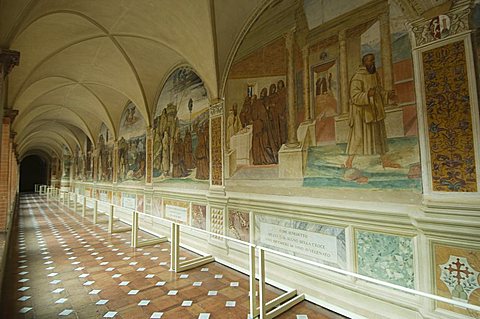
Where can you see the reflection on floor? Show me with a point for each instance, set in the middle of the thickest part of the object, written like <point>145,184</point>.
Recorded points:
<point>66,267</point>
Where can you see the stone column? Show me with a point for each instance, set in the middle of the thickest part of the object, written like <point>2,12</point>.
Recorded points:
<point>115,162</point>
<point>5,151</point>
<point>386,51</point>
<point>306,84</point>
<point>216,144</point>
<point>343,66</point>
<point>446,60</point>
<point>149,156</point>
<point>8,60</point>
<point>95,164</point>
<point>292,140</point>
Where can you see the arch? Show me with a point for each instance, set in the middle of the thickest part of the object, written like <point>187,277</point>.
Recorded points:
<point>40,114</point>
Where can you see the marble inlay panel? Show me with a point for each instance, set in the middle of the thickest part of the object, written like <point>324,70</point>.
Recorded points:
<point>456,271</point>
<point>199,216</point>
<point>217,151</point>
<point>448,109</point>
<point>385,257</point>
<point>239,224</point>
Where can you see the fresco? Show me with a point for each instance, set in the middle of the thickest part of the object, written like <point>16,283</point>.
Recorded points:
<point>105,155</point>
<point>89,161</point>
<point>181,129</point>
<point>79,164</point>
<point>362,130</point>
<point>131,146</point>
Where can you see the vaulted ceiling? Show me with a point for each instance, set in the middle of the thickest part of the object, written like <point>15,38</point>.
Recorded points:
<point>83,60</point>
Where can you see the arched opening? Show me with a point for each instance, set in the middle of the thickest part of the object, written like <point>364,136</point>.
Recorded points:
<point>33,170</point>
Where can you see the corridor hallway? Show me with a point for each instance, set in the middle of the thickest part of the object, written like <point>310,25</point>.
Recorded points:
<point>63,266</point>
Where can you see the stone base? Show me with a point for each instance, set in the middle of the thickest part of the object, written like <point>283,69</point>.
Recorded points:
<point>306,133</point>
<point>393,124</point>
<point>292,162</point>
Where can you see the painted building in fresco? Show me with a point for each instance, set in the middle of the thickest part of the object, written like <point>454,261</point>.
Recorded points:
<point>353,126</point>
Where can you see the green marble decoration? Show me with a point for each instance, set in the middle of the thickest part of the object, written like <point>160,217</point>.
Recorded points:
<point>385,257</point>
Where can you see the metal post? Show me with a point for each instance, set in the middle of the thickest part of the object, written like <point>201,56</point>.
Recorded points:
<point>261,283</point>
<point>75,202</point>
<point>134,229</point>
<point>84,208</point>
<point>68,199</point>
<point>110,219</point>
<point>95,211</point>
<point>174,248</point>
<point>253,290</point>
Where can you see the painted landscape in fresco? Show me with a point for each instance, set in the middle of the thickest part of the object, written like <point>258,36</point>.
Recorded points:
<point>105,155</point>
<point>181,129</point>
<point>366,141</point>
<point>131,145</point>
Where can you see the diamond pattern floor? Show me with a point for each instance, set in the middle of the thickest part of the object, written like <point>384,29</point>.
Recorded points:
<point>64,266</point>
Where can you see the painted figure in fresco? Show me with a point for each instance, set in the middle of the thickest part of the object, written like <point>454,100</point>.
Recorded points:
<point>188,151</point>
<point>264,151</point>
<point>233,123</point>
<point>178,161</point>
<point>157,147</point>
<point>165,154</point>
<point>367,134</point>
<point>201,153</point>
<point>130,118</point>
<point>122,156</point>
<point>246,113</point>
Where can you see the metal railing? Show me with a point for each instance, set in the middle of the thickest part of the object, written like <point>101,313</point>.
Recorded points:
<point>265,310</point>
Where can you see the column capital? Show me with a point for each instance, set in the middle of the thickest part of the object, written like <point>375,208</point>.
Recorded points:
<point>10,114</point>
<point>8,59</point>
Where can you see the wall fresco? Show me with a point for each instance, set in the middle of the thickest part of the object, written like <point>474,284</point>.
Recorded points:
<point>131,146</point>
<point>345,147</point>
<point>105,155</point>
<point>181,129</point>
<point>449,119</point>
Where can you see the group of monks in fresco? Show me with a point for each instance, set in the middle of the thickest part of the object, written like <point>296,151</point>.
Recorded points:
<point>131,158</point>
<point>267,115</point>
<point>174,155</point>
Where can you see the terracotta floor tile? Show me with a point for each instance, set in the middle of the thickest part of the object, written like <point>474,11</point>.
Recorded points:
<point>46,231</point>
